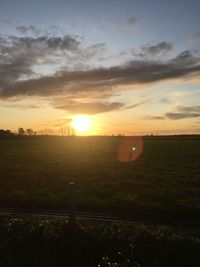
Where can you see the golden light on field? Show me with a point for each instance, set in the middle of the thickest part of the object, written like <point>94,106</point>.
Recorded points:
<point>81,124</point>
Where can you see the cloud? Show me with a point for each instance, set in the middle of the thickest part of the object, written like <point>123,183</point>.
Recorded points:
<point>130,23</point>
<point>181,112</point>
<point>46,42</point>
<point>28,29</point>
<point>71,73</point>
<point>103,79</point>
<point>158,50</point>
<point>179,115</point>
<point>154,117</point>
<point>187,58</point>
<point>138,104</point>
<point>13,68</point>
<point>189,109</point>
<point>90,107</point>
<point>184,113</point>
<point>19,56</point>
<point>93,50</point>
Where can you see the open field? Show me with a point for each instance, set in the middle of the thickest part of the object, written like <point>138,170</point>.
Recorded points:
<point>165,179</point>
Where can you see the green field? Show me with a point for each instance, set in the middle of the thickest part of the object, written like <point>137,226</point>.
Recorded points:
<point>35,172</point>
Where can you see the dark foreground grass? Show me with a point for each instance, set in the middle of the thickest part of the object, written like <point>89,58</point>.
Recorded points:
<point>33,241</point>
<point>35,172</point>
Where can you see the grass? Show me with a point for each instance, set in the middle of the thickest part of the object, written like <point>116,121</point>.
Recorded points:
<point>165,179</point>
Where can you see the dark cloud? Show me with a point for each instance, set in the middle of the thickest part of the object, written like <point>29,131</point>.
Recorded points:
<point>189,109</point>
<point>28,29</point>
<point>186,58</point>
<point>13,68</point>
<point>90,107</point>
<point>94,106</point>
<point>157,50</point>
<point>101,79</point>
<point>184,113</point>
<point>181,112</point>
<point>19,55</point>
<point>179,115</point>
<point>93,50</point>
<point>131,22</point>
<point>138,104</point>
<point>154,118</point>
<point>46,42</point>
<point>85,88</point>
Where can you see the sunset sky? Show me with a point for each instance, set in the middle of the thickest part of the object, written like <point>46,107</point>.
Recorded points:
<point>132,66</point>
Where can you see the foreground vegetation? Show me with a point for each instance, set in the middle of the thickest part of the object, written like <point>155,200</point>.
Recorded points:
<point>33,241</point>
<point>164,180</point>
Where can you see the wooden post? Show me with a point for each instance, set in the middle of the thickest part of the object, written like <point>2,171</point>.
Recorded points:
<point>72,215</point>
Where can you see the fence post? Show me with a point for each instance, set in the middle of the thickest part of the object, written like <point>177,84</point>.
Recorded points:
<point>72,215</point>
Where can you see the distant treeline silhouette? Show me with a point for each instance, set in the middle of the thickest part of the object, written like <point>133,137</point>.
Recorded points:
<point>21,132</point>
<point>62,131</point>
<point>70,131</point>
<point>6,133</point>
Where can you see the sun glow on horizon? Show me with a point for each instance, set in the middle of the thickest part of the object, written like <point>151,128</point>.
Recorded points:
<point>81,124</point>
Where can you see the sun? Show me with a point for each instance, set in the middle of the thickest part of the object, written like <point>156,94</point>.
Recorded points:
<point>81,124</point>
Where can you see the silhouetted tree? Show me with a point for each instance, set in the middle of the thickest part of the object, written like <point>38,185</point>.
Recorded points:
<point>21,131</point>
<point>5,133</point>
<point>30,131</point>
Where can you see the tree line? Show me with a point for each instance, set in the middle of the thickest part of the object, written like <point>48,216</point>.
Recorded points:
<point>62,131</point>
<point>20,132</point>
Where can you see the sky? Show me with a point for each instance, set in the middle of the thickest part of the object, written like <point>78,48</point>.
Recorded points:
<point>132,66</point>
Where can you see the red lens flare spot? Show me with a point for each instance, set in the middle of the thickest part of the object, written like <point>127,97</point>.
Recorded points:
<point>130,149</point>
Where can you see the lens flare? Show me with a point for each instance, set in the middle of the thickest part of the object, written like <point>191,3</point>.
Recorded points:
<point>130,149</point>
